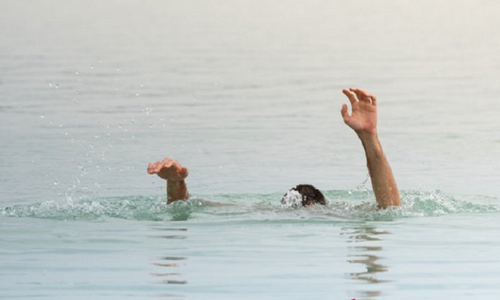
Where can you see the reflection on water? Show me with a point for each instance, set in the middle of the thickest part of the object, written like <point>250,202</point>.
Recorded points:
<point>172,237</point>
<point>364,252</point>
<point>169,229</point>
<point>171,265</point>
<point>174,258</point>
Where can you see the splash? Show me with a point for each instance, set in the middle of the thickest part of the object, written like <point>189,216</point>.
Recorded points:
<point>134,208</point>
<point>342,205</point>
<point>413,204</point>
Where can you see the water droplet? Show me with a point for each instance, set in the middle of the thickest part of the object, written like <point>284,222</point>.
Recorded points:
<point>118,70</point>
<point>50,84</point>
<point>137,95</point>
<point>66,133</point>
<point>141,85</point>
<point>42,117</point>
<point>92,67</point>
<point>57,85</point>
<point>77,73</point>
<point>56,182</point>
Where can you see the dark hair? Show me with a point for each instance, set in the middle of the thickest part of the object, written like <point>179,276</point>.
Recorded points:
<point>309,194</point>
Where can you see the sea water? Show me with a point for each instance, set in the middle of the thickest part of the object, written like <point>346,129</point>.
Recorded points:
<point>246,94</point>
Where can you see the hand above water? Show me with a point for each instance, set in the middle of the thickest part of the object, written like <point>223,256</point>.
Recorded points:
<point>363,118</point>
<point>168,169</point>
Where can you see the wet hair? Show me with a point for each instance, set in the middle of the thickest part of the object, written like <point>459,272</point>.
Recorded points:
<point>302,195</point>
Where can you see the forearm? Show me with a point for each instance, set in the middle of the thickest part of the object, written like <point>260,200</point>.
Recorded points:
<point>383,182</point>
<point>176,190</point>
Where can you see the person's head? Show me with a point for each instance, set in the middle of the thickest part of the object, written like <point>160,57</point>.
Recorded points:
<point>302,195</point>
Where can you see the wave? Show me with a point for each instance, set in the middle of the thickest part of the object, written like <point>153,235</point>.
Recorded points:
<point>342,206</point>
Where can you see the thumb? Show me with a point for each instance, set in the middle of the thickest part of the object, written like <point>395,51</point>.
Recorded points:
<point>343,112</point>
<point>184,172</point>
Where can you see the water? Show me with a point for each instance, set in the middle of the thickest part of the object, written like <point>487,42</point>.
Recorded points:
<point>247,95</point>
<point>249,247</point>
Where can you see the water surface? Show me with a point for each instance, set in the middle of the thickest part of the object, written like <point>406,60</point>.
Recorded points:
<point>247,95</point>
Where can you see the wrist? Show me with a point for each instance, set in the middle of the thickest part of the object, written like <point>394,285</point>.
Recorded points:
<point>176,183</point>
<point>367,136</point>
<point>371,144</point>
<point>176,190</point>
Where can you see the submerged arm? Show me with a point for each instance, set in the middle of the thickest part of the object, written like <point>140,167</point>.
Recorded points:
<point>363,120</point>
<point>175,175</point>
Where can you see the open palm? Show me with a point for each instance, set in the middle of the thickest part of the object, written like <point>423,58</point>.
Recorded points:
<point>363,118</point>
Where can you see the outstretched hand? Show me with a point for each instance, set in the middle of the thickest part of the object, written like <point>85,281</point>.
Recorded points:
<point>363,118</point>
<point>168,169</point>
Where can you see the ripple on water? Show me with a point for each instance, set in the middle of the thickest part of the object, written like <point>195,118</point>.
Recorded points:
<point>342,205</point>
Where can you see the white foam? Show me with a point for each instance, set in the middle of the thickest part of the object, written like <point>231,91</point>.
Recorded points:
<point>292,199</point>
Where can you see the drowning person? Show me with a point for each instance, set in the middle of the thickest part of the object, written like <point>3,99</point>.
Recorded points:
<point>363,120</point>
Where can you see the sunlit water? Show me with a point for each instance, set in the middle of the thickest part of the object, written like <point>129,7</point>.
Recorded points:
<point>247,95</point>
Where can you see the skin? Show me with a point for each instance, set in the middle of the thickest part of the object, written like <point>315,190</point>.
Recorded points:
<point>363,120</point>
<point>175,174</point>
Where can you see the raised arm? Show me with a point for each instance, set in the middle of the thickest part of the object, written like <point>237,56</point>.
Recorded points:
<point>363,120</point>
<point>175,175</point>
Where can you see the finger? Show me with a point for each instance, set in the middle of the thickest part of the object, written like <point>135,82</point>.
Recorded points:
<point>166,164</point>
<point>184,172</point>
<point>153,167</point>
<point>158,166</point>
<point>180,169</point>
<point>350,95</point>
<point>369,97</point>
<point>343,111</point>
<point>362,95</point>
<point>149,168</point>
<point>176,165</point>
<point>374,99</point>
